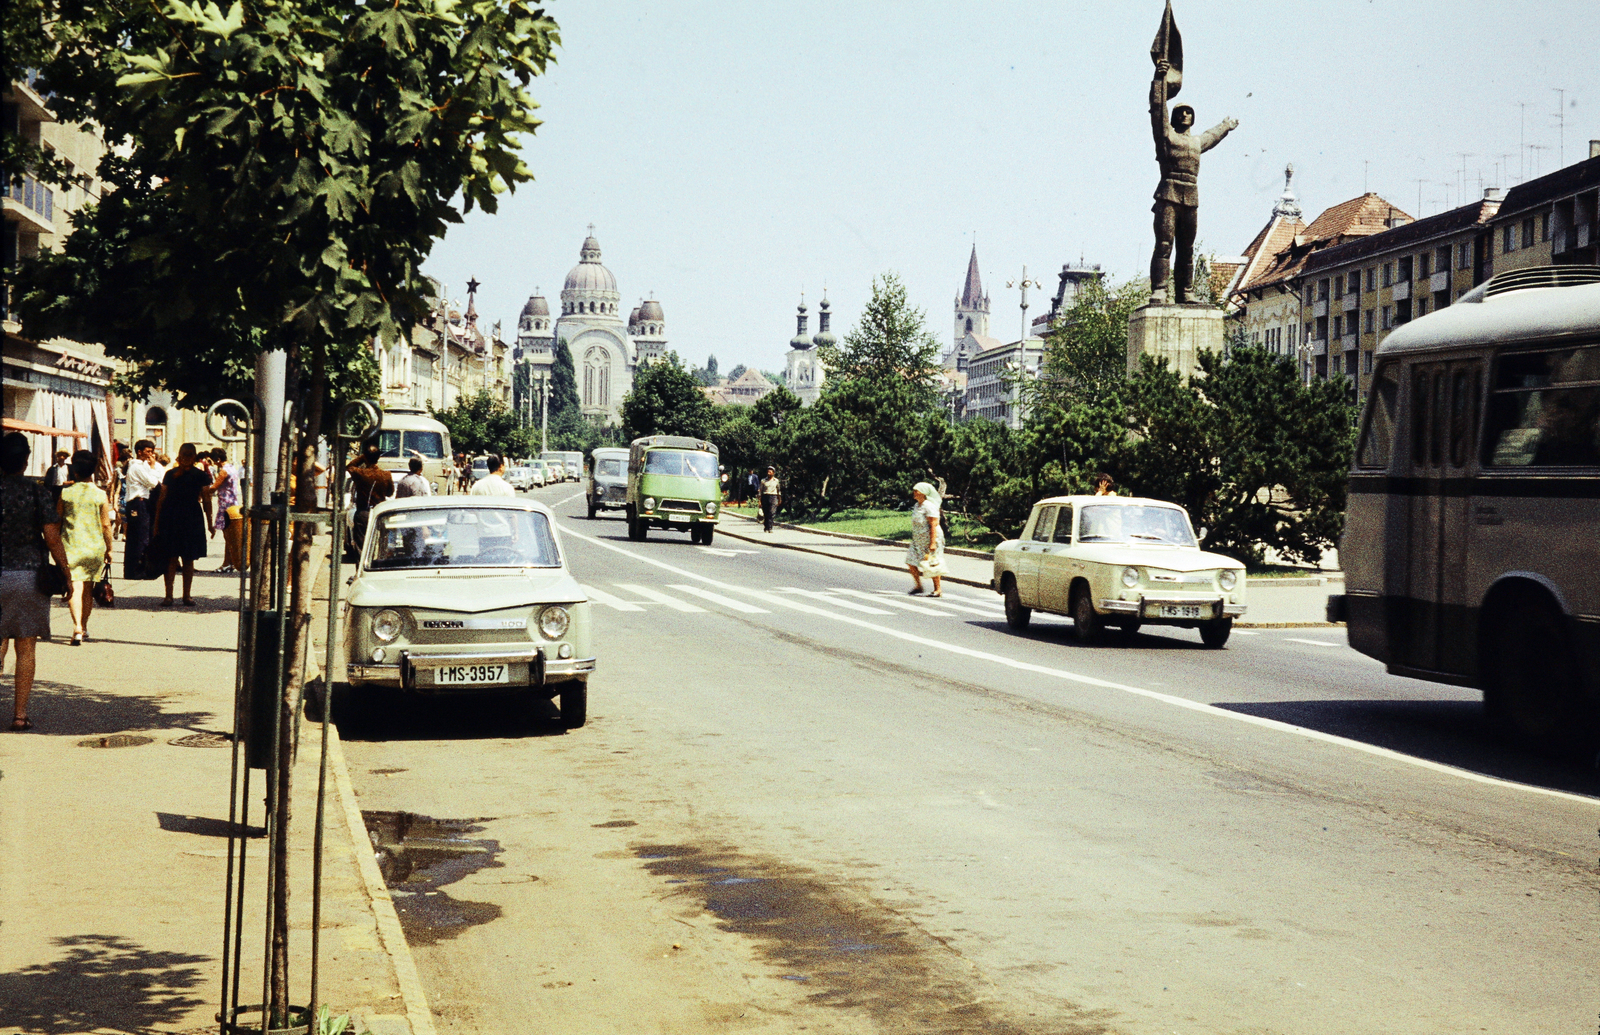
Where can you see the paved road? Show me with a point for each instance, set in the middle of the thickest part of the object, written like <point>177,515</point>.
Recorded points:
<point>909,816</point>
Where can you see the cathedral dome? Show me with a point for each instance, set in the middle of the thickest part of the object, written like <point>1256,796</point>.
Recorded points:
<point>651,310</point>
<point>823,336</point>
<point>536,306</point>
<point>588,275</point>
<point>800,339</point>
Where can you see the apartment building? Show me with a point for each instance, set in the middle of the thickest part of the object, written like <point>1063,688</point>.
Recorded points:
<point>1551,219</point>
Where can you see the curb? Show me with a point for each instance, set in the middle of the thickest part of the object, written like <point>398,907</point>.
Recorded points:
<point>959,551</point>
<point>418,1014</point>
<point>853,560</point>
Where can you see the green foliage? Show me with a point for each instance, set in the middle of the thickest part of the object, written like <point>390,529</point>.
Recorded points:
<point>737,372</point>
<point>666,400</point>
<point>480,423</point>
<point>1086,353</point>
<point>563,383</point>
<point>575,430</point>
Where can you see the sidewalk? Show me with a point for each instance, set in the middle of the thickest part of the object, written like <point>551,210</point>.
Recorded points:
<point>113,836</point>
<point>1272,603</point>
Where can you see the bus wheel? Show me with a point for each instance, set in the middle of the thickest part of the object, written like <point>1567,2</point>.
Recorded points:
<point>1532,689</point>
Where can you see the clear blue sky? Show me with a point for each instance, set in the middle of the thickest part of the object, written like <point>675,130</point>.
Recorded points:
<point>730,155</point>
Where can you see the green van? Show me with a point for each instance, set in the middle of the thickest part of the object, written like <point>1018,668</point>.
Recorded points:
<point>674,483</point>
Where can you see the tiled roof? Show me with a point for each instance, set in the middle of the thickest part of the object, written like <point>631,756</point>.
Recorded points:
<point>1412,233</point>
<point>1368,214</point>
<point>1574,178</point>
<point>1278,234</point>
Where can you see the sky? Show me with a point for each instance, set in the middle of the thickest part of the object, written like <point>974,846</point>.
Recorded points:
<point>734,155</point>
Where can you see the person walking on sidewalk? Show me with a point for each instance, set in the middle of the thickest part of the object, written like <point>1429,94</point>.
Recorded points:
<point>226,490</point>
<point>143,480</point>
<point>179,530</point>
<point>29,529</point>
<point>771,498</point>
<point>85,512</point>
<point>925,556</point>
<point>370,485</point>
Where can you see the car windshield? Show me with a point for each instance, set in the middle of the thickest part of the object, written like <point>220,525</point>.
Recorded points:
<point>609,468</point>
<point>455,537</point>
<point>1134,524</point>
<point>480,464</point>
<point>674,461</point>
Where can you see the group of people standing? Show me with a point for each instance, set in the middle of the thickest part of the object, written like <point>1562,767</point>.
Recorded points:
<point>170,512</point>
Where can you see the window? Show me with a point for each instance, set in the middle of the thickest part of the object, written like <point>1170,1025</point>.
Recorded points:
<point>1388,317</point>
<point>1338,285</point>
<point>1544,226</point>
<point>1308,332</point>
<point>1422,305</point>
<point>1322,328</point>
<point>1527,232</point>
<point>1388,274</point>
<point>1310,294</point>
<point>1423,262</point>
<point>1441,260</point>
<point>1368,318</point>
<point>1464,256</point>
<point>1508,239</point>
<point>1366,362</point>
<point>1402,312</point>
<point>1322,290</point>
<point>1044,525</point>
<point>1464,388</point>
<point>1544,410</point>
<point>1377,443</point>
<point>1372,278</point>
<point>1063,533</point>
<point>1405,270</point>
<point>1338,326</point>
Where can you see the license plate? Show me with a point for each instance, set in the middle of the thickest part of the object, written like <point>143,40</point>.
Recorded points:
<point>1180,610</point>
<point>460,675</point>
<point>677,517</point>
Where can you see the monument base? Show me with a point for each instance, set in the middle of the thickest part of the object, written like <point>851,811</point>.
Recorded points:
<point>1176,333</point>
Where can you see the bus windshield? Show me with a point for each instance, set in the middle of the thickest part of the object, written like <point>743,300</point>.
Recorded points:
<point>674,461</point>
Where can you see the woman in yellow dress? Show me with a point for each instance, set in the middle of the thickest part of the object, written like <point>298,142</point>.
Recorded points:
<point>86,534</point>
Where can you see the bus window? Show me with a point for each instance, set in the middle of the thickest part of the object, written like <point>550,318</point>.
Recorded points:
<point>389,442</point>
<point>1545,410</point>
<point>1376,447</point>
<point>1419,417</point>
<point>1437,413</point>
<point>1463,408</point>
<point>429,443</point>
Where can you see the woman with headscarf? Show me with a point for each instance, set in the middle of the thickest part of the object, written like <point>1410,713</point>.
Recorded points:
<point>926,553</point>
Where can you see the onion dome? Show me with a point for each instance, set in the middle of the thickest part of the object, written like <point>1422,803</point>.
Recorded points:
<point>633,319</point>
<point>651,310</point>
<point>536,306</point>
<point>824,336</point>
<point>800,339</point>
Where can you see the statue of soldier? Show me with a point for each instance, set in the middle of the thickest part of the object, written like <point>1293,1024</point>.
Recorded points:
<point>1178,198</point>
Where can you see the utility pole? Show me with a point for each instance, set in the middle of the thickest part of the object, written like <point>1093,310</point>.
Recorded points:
<point>1561,125</point>
<point>544,411</point>
<point>1022,343</point>
<point>1522,141</point>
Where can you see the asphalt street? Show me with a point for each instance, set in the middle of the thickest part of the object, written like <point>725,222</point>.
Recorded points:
<point>992,830</point>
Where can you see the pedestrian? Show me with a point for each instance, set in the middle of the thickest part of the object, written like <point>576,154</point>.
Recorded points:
<point>492,484</point>
<point>369,486</point>
<point>1103,485</point>
<point>227,492</point>
<point>925,556</point>
<point>178,533</point>
<point>771,497</point>
<point>85,512</point>
<point>143,480</point>
<point>413,484</point>
<point>30,532</point>
<point>752,487</point>
<point>57,477</point>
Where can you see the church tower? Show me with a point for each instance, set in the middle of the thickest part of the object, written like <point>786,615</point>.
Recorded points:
<point>972,305</point>
<point>803,374</point>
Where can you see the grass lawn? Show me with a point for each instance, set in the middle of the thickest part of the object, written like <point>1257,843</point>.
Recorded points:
<point>890,524</point>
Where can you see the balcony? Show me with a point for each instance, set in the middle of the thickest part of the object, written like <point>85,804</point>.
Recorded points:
<point>1439,281</point>
<point>31,203</point>
<point>1350,341</point>
<point>1320,307</point>
<point>1352,301</point>
<point>1319,346</point>
<point>1402,290</point>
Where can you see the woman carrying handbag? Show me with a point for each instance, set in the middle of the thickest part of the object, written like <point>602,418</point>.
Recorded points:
<point>30,534</point>
<point>85,511</point>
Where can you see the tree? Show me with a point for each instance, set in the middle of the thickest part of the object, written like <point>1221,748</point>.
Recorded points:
<point>480,423</point>
<point>563,383</point>
<point>666,400</point>
<point>737,372</point>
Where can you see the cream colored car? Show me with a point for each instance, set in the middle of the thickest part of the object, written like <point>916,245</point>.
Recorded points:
<point>1120,561</point>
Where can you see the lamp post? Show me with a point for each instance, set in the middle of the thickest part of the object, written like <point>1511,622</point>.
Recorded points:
<point>1023,284</point>
<point>542,379</point>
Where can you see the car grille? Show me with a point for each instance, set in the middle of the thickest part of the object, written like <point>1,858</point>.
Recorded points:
<point>688,505</point>
<point>616,492</point>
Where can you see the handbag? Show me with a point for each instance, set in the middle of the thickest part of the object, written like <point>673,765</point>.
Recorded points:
<point>50,580</point>
<point>104,595</point>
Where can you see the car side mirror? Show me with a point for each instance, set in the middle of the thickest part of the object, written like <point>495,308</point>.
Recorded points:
<point>1200,536</point>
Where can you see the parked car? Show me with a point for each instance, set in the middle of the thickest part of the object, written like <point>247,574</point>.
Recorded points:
<point>469,594</point>
<point>478,469</point>
<point>538,472</point>
<point>567,464</point>
<point>607,482</point>
<point>1117,560</point>
<point>520,477</point>
<point>673,483</point>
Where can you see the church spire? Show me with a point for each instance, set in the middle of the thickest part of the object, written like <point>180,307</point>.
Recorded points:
<point>972,296</point>
<point>1287,204</point>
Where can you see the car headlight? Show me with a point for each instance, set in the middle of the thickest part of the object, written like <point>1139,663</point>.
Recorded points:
<point>1130,576</point>
<point>386,624</point>
<point>434,486</point>
<point>711,508</point>
<point>1227,578</point>
<point>649,503</point>
<point>554,621</point>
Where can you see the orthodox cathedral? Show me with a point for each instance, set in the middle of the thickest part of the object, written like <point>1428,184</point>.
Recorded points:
<point>606,350</point>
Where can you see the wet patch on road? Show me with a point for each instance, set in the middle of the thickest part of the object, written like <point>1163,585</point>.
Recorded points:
<point>418,855</point>
<point>846,950</point>
<point>117,740</point>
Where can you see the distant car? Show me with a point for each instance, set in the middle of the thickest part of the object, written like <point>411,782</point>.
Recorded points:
<point>565,464</point>
<point>469,594</point>
<point>479,468</point>
<point>520,478</point>
<point>607,480</point>
<point>538,472</point>
<point>1117,560</point>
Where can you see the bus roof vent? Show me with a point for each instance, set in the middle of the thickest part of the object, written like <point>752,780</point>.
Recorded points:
<point>1542,277</point>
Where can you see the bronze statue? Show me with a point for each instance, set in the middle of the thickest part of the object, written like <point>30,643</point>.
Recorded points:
<point>1178,153</point>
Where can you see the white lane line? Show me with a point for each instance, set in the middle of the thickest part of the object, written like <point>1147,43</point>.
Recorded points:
<point>569,499</point>
<point>1245,632</point>
<point>1072,677</point>
<point>718,598</point>
<point>660,598</point>
<point>1314,643</point>
<point>886,596</point>
<point>600,596</point>
<point>993,603</point>
<point>904,605</point>
<point>835,601</point>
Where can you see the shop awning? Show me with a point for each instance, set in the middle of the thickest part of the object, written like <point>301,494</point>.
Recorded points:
<point>13,424</point>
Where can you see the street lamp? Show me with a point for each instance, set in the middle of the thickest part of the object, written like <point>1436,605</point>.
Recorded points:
<point>542,380</point>
<point>1022,343</point>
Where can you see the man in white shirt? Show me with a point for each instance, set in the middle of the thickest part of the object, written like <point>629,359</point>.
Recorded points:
<point>492,484</point>
<point>143,481</point>
<point>413,484</point>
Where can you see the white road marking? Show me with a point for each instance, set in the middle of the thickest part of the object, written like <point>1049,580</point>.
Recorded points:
<point>835,601</point>
<point>1210,710</point>
<point>904,605</point>
<point>569,499</point>
<point>719,552</point>
<point>1245,632</point>
<point>660,598</point>
<point>885,596</point>
<point>1314,643</point>
<point>718,598</point>
<point>600,596</point>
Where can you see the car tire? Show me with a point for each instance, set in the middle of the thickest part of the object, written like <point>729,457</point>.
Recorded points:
<point>706,532</point>
<point>1017,616</point>
<point>1214,634</point>
<point>1086,621</point>
<point>591,508</point>
<point>575,704</point>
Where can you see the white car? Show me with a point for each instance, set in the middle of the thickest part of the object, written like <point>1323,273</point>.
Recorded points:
<point>469,594</point>
<point>537,472</point>
<point>520,478</point>
<point>1118,560</point>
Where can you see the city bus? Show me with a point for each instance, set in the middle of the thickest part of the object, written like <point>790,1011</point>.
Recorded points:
<point>1471,547</point>
<point>406,431</point>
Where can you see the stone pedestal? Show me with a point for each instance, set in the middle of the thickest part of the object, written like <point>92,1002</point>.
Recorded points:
<point>1177,333</point>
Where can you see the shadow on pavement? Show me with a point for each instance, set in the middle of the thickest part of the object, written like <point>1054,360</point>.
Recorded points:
<point>66,709</point>
<point>204,826</point>
<point>372,715</point>
<point>168,645</point>
<point>103,983</point>
<point>1452,733</point>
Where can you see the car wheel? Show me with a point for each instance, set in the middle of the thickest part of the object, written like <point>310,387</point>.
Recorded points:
<point>1086,622</point>
<point>1215,632</point>
<point>575,704</point>
<point>1017,616</point>
<point>591,508</point>
<point>706,532</point>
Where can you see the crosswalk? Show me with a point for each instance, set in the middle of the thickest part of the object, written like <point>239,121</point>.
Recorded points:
<point>634,596</point>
